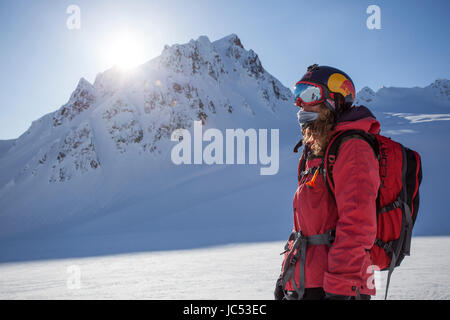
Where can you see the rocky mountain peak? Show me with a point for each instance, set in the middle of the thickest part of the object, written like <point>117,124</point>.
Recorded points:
<point>82,98</point>
<point>441,89</point>
<point>365,96</point>
<point>132,114</point>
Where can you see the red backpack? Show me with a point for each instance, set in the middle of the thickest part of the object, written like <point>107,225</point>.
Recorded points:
<point>398,195</point>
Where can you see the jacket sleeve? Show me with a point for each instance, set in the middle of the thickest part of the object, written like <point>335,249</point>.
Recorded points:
<point>356,178</point>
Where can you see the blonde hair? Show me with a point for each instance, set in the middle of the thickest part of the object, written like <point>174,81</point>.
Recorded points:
<point>317,134</point>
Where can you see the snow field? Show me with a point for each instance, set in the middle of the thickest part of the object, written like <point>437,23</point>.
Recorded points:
<point>242,271</point>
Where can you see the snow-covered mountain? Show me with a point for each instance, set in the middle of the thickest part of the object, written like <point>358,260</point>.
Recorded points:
<point>219,83</point>
<point>101,163</point>
<point>96,176</point>
<point>434,98</point>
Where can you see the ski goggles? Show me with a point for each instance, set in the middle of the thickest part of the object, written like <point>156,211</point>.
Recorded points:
<point>309,93</point>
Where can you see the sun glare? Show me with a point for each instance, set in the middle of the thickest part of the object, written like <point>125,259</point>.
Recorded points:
<point>125,51</point>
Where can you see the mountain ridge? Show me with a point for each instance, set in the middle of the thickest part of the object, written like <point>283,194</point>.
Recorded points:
<point>143,107</point>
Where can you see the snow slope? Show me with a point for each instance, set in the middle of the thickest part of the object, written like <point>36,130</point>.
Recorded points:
<point>244,271</point>
<point>5,145</point>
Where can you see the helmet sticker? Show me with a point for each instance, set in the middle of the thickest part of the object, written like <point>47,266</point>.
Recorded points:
<point>339,83</point>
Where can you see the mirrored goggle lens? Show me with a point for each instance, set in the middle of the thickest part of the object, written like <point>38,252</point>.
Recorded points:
<point>307,93</point>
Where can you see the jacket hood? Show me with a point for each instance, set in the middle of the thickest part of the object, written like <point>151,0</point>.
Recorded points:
<point>359,118</point>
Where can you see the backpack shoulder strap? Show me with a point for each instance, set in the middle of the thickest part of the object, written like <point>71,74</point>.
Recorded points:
<point>302,162</point>
<point>333,151</point>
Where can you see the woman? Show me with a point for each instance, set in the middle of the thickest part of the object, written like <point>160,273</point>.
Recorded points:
<point>327,255</point>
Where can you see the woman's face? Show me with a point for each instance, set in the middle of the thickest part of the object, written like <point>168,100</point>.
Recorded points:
<point>314,108</point>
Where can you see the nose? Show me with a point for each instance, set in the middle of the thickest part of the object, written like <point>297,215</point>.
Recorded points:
<point>314,108</point>
<point>305,107</point>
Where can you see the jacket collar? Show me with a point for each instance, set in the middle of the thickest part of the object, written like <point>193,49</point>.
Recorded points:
<point>360,118</point>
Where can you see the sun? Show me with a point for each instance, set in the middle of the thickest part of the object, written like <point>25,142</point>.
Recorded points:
<point>124,50</point>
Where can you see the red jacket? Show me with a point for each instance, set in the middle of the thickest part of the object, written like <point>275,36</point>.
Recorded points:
<point>345,268</point>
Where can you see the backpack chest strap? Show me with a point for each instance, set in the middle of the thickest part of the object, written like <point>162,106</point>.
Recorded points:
<point>311,171</point>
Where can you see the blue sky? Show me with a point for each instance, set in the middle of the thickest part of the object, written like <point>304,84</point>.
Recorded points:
<point>42,60</point>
